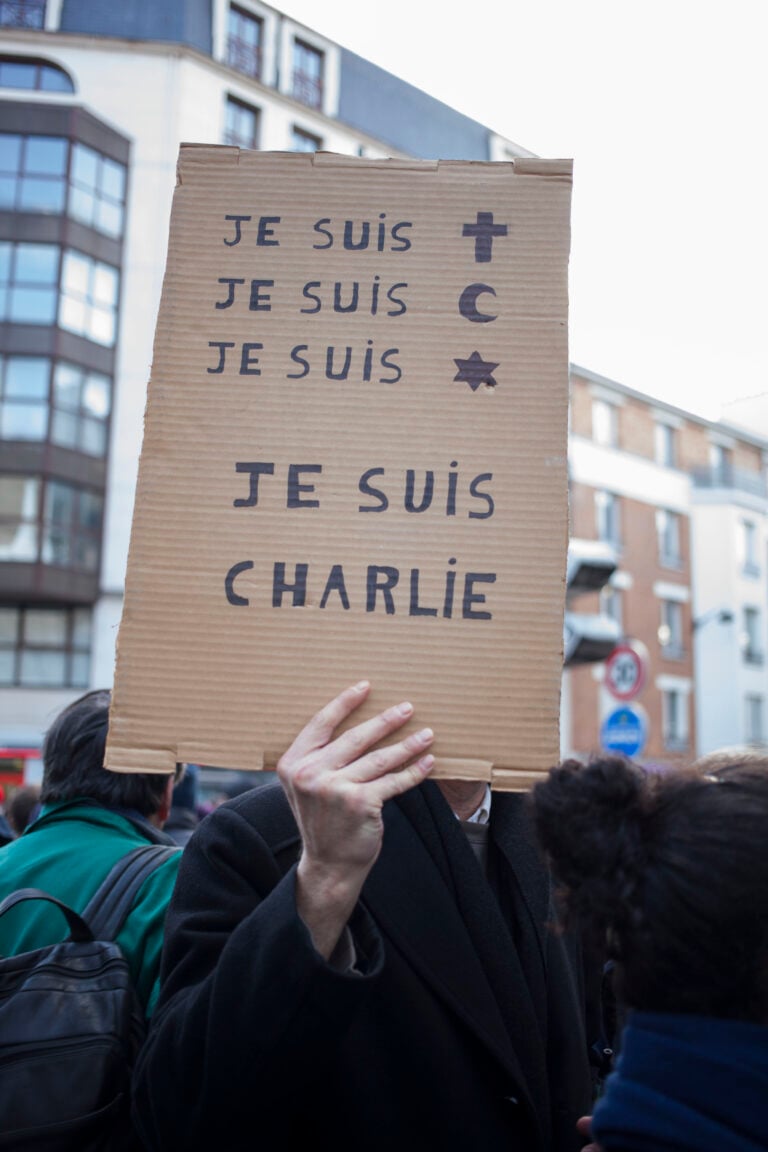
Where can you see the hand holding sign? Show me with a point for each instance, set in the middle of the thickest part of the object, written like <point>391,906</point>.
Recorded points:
<point>336,789</point>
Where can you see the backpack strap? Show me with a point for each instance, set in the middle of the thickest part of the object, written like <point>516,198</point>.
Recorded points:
<point>112,901</point>
<point>79,930</point>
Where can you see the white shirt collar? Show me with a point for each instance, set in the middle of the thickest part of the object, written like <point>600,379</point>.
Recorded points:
<point>482,813</point>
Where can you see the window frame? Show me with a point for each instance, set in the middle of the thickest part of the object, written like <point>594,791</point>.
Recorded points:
<point>73,650</point>
<point>307,86</point>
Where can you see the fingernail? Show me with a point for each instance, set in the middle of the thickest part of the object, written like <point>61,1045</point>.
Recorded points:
<point>405,709</point>
<point>425,735</point>
<point>361,686</point>
<point>426,763</point>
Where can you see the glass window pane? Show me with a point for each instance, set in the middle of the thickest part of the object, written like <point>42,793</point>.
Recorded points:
<point>16,75</point>
<point>59,503</point>
<point>82,205</point>
<point>90,511</point>
<point>44,626</point>
<point>86,554</point>
<point>104,284</point>
<point>96,395</point>
<point>37,263</point>
<point>101,327</point>
<point>7,665</point>
<point>23,421</point>
<point>64,429</point>
<point>46,154</point>
<point>76,273</point>
<point>55,80</point>
<point>81,628</point>
<point>93,437</point>
<point>18,542</point>
<point>8,185</point>
<point>80,669</point>
<point>43,668</point>
<point>18,496</point>
<point>56,546</point>
<point>41,195</point>
<point>9,625</point>
<point>109,218</point>
<point>5,262</point>
<point>113,179</point>
<point>10,152</point>
<point>72,315</point>
<point>27,376</point>
<point>66,386</point>
<point>85,165</point>
<point>32,305</point>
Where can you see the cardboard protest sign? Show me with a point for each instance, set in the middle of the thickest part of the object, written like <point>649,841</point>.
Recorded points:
<point>354,462</point>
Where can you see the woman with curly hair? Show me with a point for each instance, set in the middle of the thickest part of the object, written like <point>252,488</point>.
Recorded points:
<point>671,871</point>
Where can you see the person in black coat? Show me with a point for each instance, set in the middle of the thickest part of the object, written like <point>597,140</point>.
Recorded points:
<point>345,968</point>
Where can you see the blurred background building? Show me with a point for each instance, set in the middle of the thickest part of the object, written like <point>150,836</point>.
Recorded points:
<point>668,511</point>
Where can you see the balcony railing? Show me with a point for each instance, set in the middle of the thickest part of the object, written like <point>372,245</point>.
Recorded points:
<point>22,13</point>
<point>729,477</point>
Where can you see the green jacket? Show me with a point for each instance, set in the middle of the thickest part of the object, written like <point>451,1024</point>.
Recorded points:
<point>67,852</point>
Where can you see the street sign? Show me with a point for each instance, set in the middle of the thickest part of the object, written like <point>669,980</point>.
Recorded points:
<point>624,730</point>
<point>626,670</point>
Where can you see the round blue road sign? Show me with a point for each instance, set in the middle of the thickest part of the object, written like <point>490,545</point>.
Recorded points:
<point>624,730</point>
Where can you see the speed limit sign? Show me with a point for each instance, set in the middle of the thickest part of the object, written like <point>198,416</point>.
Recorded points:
<point>625,671</point>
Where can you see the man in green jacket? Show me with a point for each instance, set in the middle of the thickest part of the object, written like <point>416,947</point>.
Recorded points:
<point>90,817</point>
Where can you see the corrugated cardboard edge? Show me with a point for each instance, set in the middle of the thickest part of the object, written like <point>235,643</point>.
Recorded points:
<point>164,760</point>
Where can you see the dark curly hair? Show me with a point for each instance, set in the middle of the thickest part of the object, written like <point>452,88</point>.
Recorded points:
<point>73,761</point>
<point>672,870</point>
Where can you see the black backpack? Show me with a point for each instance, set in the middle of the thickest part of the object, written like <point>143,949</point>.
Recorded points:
<point>71,1025</point>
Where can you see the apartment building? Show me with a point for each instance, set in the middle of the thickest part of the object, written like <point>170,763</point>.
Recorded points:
<point>95,99</point>
<point>682,503</point>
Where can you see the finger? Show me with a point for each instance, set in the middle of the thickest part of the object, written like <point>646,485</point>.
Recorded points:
<point>352,745</point>
<point>383,761</point>
<point>395,783</point>
<point>319,730</point>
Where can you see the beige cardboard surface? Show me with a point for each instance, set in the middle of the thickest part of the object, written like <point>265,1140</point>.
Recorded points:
<point>354,462</point>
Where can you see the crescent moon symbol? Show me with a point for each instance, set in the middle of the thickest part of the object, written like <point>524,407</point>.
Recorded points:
<point>468,303</point>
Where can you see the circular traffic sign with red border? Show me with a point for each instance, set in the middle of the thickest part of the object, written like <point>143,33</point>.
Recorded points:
<point>625,670</point>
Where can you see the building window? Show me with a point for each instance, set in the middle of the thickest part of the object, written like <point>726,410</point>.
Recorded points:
<point>88,304</point>
<point>307,74</point>
<point>80,412</point>
<point>76,415</point>
<point>674,707</point>
<point>45,647</point>
<point>665,439</point>
<point>24,389</point>
<point>33,75</point>
<point>71,527</point>
<point>97,190</point>
<point>720,464</point>
<point>671,629</point>
<point>29,275</point>
<point>668,538</point>
<point>34,177</point>
<point>752,640</point>
<point>611,605</point>
<point>66,533</point>
<point>605,423</point>
<point>754,722</point>
<point>302,141</point>
<point>244,39</point>
<point>22,13</point>
<point>241,126</point>
<point>607,517</point>
<point>33,173</point>
<point>748,547</point>
<point>19,518</point>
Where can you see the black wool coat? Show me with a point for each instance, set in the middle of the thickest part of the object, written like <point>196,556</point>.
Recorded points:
<point>464,1030</point>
